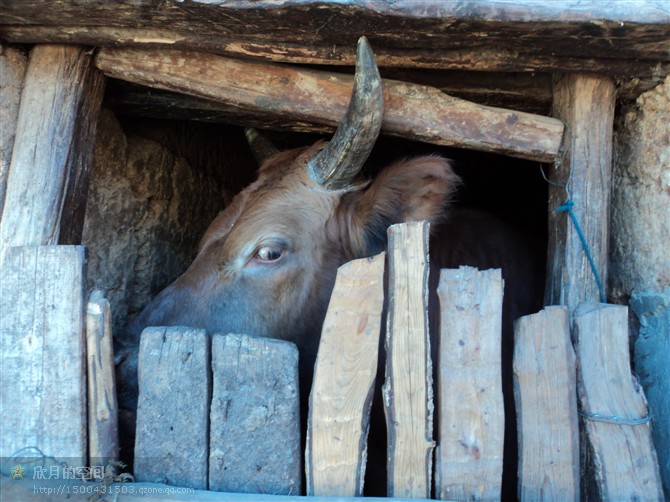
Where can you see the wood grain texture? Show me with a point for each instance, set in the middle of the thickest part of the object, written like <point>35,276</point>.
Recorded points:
<point>43,392</point>
<point>408,388</point>
<point>299,96</point>
<point>344,381</point>
<point>471,413</point>
<point>546,401</point>
<point>48,178</point>
<point>619,460</point>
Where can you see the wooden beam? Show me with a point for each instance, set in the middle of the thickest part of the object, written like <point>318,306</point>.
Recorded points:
<point>583,175</point>
<point>293,95</point>
<point>471,413</point>
<point>408,388</point>
<point>344,381</point>
<point>47,184</point>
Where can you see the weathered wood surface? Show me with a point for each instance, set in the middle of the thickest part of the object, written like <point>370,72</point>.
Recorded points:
<point>13,64</point>
<point>471,417</point>
<point>546,401</point>
<point>43,392</point>
<point>254,444</point>
<point>408,388</point>
<point>619,460</point>
<point>614,38</point>
<point>172,438</point>
<point>52,158</point>
<point>296,96</point>
<point>344,381</point>
<point>586,103</point>
<point>103,427</point>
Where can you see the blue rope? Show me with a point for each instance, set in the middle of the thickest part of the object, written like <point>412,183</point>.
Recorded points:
<point>567,208</point>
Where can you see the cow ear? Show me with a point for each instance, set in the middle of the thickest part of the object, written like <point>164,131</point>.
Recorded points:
<point>410,190</point>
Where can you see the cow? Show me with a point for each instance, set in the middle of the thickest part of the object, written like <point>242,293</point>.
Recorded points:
<point>266,266</point>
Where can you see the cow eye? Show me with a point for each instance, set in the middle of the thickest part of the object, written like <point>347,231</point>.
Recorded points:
<point>269,254</point>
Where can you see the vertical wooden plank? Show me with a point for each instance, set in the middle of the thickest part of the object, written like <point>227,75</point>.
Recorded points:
<point>47,183</point>
<point>103,430</point>
<point>471,413</point>
<point>43,391</point>
<point>13,63</point>
<point>586,104</point>
<point>344,380</point>
<point>255,416</point>
<point>408,388</point>
<point>619,458</point>
<point>546,403</point>
<point>174,376</point>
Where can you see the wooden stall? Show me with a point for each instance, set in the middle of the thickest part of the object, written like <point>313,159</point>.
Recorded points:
<point>565,105</point>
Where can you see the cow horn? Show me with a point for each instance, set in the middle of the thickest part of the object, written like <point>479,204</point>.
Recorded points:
<point>261,147</point>
<point>339,162</point>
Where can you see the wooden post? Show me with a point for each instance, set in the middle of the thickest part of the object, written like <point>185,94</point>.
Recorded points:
<point>408,389</point>
<point>586,104</point>
<point>42,349</point>
<point>618,456</point>
<point>103,430</point>
<point>254,444</point>
<point>546,403</point>
<point>175,381</point>
<point>471,413</point>
<point>344,381</point>
<point>47,184</point>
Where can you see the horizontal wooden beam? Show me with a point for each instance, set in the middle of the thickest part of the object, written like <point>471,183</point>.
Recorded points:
<point>291,97</point>
<point>616,38</point>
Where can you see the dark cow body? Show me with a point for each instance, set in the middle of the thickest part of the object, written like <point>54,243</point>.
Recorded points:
<point>267,264</point>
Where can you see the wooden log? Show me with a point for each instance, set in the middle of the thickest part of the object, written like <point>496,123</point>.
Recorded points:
<point>103,427</point>
<point>13,63</point>
<point>299,95</point>
<point>618,459</point>
<point>471,413</point>
<point>43,351</point>
<point>47,184</point>
<point>408,388</point>
<point>344,381</point>
<point>586,103</point>
<point>546,401</point>
<point>254,444</point>
<point>174,377</point>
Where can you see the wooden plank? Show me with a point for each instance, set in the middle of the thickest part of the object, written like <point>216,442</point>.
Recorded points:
<point>174,377</point>
<point>471,412</point>
<point>574,36</point>
<point>546,401</point>
<point>619,459</point>
<point>43,350</point>
<point>586,103</point>
<point>254,444</point>
<point>13,63</point>
<point>299,95</point>
<point>103,427</point>
<point>408,388</point>
<point>344,381</point>
<point>47,183</point>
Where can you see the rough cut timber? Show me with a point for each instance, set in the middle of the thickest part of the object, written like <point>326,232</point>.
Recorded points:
<point>47,183</point>
<point>408,388</point>
<point>298,96</point>
<point>471,413</point>
<point>618,459</point>
<point>174,375</point>
<point>254,442</point>
<point>624,38</point>
<point>344,381</point>
<point>43,392</point>
<point>103,430</point>
<point>584,174</point>
<point>546,401</point>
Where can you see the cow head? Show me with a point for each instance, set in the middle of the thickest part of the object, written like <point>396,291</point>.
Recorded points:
<point>267,264</point>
